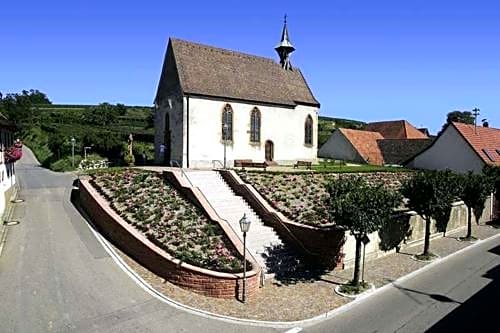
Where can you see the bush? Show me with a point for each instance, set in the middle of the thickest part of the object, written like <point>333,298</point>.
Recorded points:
<point>37,140</point>
<point>65,164</point>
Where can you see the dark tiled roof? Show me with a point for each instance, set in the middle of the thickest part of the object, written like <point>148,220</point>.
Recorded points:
<point>210,71</point>
<point>397,151</point>
<point>396,129</point>
<point>484,141</point>
<point>365,143</point>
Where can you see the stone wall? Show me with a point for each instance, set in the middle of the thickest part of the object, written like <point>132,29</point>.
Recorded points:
<point>332,245</point>
<point>320,244</point>
<point>139,248</point>
<point>409,231</point>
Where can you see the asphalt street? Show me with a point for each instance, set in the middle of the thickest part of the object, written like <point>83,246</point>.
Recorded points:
<point>56,277</point>
<point>460,294</point>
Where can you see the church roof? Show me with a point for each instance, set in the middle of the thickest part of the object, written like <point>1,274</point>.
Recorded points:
<point>214,72</point>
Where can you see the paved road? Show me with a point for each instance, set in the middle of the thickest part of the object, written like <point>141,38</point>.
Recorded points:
<point>56,277</point>
<point>461,294</point>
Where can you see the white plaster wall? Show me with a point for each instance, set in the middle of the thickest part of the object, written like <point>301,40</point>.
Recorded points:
<point>338,147</point>
<point>175,111</point>
<point>450,151</point>
<point>283,126</point>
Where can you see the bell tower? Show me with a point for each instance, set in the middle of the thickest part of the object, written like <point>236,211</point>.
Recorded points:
<point>285,48</point>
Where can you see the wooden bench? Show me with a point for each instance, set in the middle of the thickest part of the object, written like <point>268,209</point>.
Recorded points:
<point>250,164</point>
<point>302,163</point>
<point>239,163</point>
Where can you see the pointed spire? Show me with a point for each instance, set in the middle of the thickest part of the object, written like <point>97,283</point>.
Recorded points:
<point>285,48</point>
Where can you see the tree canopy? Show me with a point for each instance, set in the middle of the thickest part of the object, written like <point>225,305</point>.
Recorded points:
<point>431,194</point>
<point>474,191</point>
<point>103,114</point>
<point>360,208</point>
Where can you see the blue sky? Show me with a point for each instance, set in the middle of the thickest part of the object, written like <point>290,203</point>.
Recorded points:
<point>367,60</point>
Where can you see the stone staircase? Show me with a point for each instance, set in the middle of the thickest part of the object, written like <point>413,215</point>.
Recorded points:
<point>262,241</point>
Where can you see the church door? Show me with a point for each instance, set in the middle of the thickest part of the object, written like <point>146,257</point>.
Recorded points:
<point>168,143</point>
<point>269,151</point>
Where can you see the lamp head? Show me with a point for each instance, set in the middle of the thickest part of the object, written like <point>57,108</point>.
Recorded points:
<point>245,223</point>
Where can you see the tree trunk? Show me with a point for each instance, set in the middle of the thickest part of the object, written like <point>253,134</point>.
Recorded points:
<point>469,222</point>
<point>357,261</point>
<point>427,236</point>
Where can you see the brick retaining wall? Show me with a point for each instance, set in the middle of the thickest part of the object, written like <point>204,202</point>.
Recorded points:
<point>138,247</point>
<point>322,244</point>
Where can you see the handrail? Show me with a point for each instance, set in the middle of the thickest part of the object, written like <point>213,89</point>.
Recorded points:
<point>183,173</point>
<point>218,161</point>
<point>290,233</point>
<point>229,224</point>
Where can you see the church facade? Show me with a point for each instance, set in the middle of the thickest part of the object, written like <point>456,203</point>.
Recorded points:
<point>214,106</point>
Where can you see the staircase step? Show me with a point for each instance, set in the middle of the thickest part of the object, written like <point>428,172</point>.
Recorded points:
<point>262,241</point>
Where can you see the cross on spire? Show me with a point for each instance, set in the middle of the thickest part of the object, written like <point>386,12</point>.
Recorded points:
<point>285,47</point>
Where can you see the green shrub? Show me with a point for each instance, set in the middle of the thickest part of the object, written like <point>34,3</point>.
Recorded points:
<point>65,164</point>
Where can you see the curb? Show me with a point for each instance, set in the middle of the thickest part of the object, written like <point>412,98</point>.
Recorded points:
<point>272,324</point>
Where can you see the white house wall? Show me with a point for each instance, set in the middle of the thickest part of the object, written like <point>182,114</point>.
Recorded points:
<point>450,151</point>
<point>283,126</point>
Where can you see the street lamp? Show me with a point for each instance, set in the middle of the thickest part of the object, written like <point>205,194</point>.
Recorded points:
<point>85,152</point>
<point>224,136</point>
<point>73,151</point>
<point>244,226</point>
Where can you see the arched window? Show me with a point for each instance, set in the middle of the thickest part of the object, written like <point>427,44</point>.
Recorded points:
<point>308,137</point>
<point>227,123</point>
<point>255,125</point>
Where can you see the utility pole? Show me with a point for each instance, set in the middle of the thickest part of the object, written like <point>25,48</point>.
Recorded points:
<point>475,112</point>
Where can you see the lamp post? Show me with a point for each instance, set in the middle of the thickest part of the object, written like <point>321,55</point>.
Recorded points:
<point>73,151</point>
<point>224,136</point>
<point>244,226</point>
<point>85,152</point>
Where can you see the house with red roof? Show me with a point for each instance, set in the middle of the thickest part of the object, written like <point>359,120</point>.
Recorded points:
<point>387,142</point>
<point>396,129</point>
<point>461,148</point>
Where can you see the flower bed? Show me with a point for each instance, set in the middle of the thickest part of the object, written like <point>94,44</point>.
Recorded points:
<point>302,197</point>
<point>156,209</point>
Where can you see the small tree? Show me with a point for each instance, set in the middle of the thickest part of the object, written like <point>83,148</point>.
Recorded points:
<point>430,194</point>
<point>474,191</point>
<point>360,208</point>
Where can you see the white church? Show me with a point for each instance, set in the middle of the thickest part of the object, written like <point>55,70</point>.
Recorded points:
<point>215,105</point>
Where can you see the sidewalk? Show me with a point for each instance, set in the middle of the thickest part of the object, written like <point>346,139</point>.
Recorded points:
<point>312,294</point>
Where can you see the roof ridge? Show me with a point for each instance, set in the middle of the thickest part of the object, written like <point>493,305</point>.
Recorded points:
<point>472,125</point>
<point>222,50</point>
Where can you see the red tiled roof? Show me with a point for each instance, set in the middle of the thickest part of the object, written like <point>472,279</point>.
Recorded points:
<point>365,143</point>
<point>396,129</point>
<point>484,140</point>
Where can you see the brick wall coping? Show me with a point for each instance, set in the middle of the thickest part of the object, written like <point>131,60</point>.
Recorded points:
<point>103,203</point>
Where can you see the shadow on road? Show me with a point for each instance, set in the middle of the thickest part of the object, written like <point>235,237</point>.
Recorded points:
<point>480,312</point>
<point>436,297</point>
